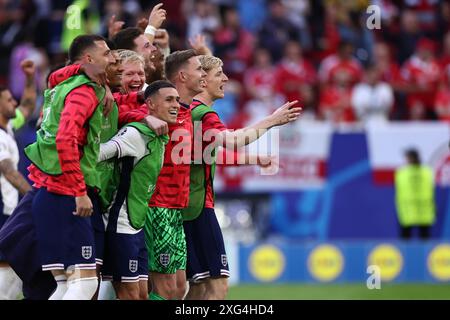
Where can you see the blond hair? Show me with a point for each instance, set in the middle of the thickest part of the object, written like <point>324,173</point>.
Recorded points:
<point>127,56</point>
<point>210,62</point>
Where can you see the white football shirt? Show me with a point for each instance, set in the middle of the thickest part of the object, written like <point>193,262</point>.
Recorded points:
<point>8,150</point>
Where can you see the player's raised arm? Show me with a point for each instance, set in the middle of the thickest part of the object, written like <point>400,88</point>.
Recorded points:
<point>241,137</point>
<point>114,26</point>
<point>162,40</point>
<point>28,100</point>
<point>198,43</point>
<point>155,20</point>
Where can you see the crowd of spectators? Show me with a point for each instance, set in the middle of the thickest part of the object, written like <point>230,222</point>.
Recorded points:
<point>321,52</point>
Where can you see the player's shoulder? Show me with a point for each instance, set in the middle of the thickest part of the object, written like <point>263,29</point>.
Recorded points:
<point>136,134</point>
<point>184,116</point>
<point>185,110</point>
<point>211,116</point>
<point>3,139</point>
<point>128,131</point>
<point>4,132</point>
<point>6,140</point>
<point>84,91</point>
<point>211,120</point>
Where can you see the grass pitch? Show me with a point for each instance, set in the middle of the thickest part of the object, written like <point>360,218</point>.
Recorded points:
<point>339,292</point>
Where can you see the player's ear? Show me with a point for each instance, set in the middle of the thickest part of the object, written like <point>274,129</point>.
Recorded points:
<point>182,75</point>
<point>88,58</point>
<point>150,104</point>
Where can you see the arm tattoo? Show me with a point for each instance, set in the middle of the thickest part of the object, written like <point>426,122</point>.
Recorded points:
<point>6,167</point>
<point>13,176</point>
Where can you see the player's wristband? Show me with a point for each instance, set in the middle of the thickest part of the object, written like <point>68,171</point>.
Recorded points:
<point>165,51</point>
<point>151,30</point>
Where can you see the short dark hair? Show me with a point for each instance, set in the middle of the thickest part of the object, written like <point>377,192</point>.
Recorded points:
<point>2,88</point>
<point>153,87</point>
<point>80,44</point>
<point>413,155</point>
<point>110,44</point>
<point>124,39</point>
<point>176,60</point>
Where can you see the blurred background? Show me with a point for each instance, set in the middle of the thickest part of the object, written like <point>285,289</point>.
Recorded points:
<point>373,84</point>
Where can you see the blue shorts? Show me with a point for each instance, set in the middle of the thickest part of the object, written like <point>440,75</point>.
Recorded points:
<point>126,258</point>
<point>206,256</point>
<point>19,246</point>
<point>64,240</point>
<point>3,218</point>
<point>98,226</point>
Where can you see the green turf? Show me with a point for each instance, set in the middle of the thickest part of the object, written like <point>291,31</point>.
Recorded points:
<point>339,292</point>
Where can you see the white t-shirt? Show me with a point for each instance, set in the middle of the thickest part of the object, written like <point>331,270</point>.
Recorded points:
<point>8,150</point>
<point>372,102</point>
<point>127,142</point>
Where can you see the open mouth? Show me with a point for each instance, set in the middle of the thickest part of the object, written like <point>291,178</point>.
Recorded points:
<point>173,112</point>
<point>135,87</point>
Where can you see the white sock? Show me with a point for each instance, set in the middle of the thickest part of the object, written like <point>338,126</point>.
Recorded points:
<point>81,289</point>
<point>106,291</point>
<point>10,284</point>
<point>61,287</point>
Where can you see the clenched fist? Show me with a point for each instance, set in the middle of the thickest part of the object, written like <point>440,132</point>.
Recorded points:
<point>28,68</point>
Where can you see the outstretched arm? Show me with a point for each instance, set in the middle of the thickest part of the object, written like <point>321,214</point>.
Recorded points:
<point>236,158</point>
<point>128,142</point>
<point>92,71</point>
<point>247,135</point>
